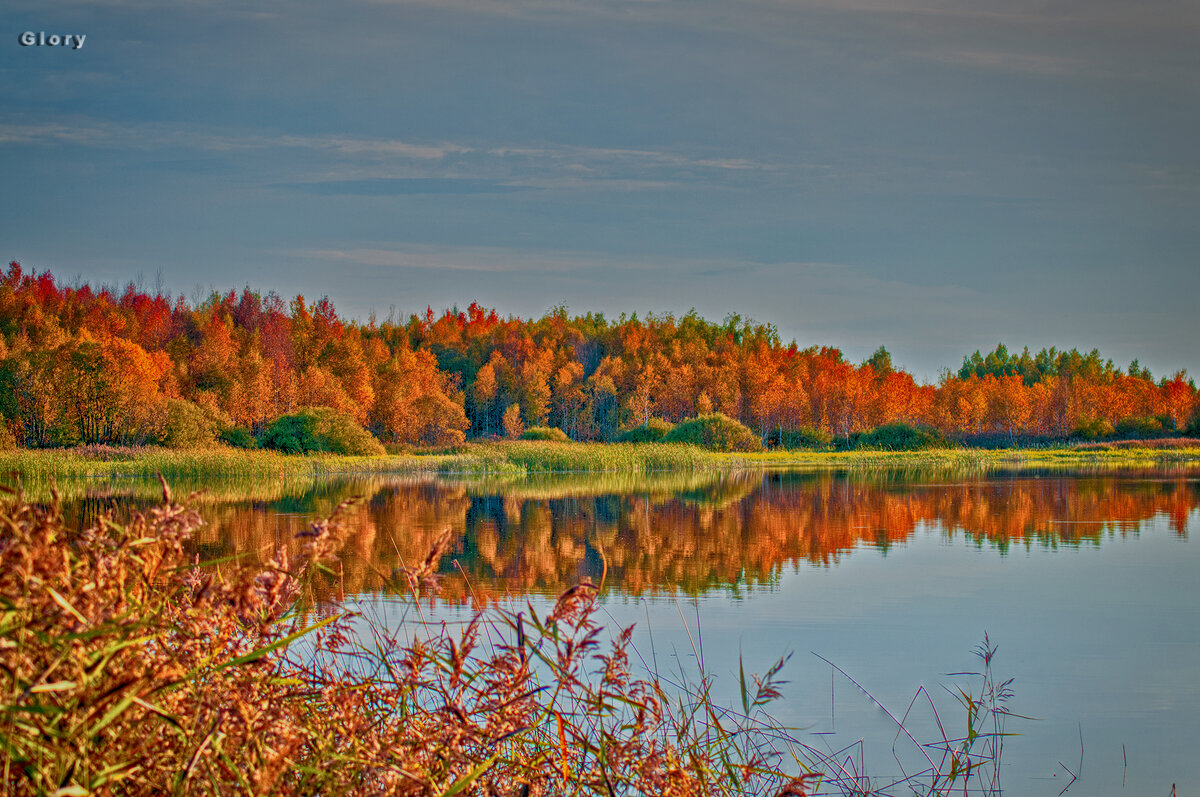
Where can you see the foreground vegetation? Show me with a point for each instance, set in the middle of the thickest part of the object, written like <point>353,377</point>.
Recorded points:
<point>128,669</point>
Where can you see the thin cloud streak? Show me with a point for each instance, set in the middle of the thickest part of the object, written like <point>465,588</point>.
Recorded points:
<point>541,166</point>
<point>102,134</point>
<point>1032,64</point>
<point>393,186</point>
<point>497,260</point>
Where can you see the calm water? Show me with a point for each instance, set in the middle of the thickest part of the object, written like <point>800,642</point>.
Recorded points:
<point>1088,584</point>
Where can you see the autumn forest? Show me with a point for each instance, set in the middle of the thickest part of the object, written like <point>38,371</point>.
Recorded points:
<point>80,365</point>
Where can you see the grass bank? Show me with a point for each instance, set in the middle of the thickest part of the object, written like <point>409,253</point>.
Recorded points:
<point>970,458</point>
<point>502,459</point>
<point>524,458</point>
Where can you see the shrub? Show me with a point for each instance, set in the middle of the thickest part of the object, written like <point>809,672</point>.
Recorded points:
<point>716,432</point>
<point>188,425</point>
<point>651,431</point>
<point>549,433</point>
<point>238,437</point>
<point>1090,429</point>
<point>1140,427</point>
<point>320,429</point>
<point>902,437</point>
<point>848,442</point>
<point>806,437</point>
<point>7,440</point>
<point>64,434</point>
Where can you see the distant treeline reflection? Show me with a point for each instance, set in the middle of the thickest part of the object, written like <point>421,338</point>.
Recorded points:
<point>688,532</point>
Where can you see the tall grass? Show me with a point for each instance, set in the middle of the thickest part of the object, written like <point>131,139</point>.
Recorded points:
<point>536,457</point>
<point>38,468</point>
<point>102,461</point>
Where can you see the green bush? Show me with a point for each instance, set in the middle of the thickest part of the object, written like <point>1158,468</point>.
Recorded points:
<point>1139,427</point>
<point>64,434</point>
<point>188,425</point>
<point>1193,428</point>
<point>550,433</point>
<point>805,438</point>
<point>651,431</point>
<point>1089,429</point>
<point>902,437</point>
<point>849,442</point>
<point>320,429</point>
<point>716,432</point>
<point>238,437</point>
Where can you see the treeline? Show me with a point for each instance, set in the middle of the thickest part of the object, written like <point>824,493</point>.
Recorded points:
<point>81,365</point>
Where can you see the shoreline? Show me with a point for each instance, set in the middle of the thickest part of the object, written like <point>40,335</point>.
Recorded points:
<point>522,458</point>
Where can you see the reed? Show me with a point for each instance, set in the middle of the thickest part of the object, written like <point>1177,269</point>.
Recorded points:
<point>37,468</point>
<point>203,463</point>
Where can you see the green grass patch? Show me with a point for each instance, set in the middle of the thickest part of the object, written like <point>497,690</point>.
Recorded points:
<point>517,459</point>
<point>548,433</point>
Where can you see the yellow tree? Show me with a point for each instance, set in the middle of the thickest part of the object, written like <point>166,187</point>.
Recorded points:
<point>484,394</point>
<point>512,422</point>
<point>416,403</point>
<point>568,398</point>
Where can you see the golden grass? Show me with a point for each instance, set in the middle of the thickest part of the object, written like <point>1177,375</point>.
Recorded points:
<point>531,457</point>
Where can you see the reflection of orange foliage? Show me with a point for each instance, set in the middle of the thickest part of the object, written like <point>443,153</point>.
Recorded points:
<point>642,543</point>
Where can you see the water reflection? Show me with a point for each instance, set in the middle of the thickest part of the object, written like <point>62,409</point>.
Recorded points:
<point>691,532</point>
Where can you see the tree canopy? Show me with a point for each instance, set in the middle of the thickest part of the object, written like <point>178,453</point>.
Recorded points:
<point>86,365</point>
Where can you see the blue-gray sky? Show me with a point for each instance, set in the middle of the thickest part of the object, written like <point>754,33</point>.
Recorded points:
<point>932,175</point>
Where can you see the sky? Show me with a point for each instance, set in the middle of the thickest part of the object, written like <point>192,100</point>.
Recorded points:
<point>935,176</point>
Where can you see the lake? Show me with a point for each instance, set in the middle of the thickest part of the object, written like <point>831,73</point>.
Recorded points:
<point>1086,583</point>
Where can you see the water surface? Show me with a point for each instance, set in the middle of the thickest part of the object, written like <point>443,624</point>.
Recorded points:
<point>1086,581</point>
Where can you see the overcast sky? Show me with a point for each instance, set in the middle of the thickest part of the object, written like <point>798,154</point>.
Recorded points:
<point>935,176</point>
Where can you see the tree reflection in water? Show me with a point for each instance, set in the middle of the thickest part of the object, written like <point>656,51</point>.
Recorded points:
<point>688,532</point>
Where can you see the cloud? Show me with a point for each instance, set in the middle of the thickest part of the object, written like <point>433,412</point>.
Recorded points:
<point>397,186</point>
<point>1027,63</point>
<point>373,146</point>
<point>152,135</point>
<point>484,259</point>
<point>55,133</point>
<point>366,166</point>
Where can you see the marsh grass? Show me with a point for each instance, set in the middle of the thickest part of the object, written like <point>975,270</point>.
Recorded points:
<point>551,457</point>
<point>948,764</point>
<point>203,463</point>
<point>37,469</point>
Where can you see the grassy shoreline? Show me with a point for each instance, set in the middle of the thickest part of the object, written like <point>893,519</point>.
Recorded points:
<point>523,458</point>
